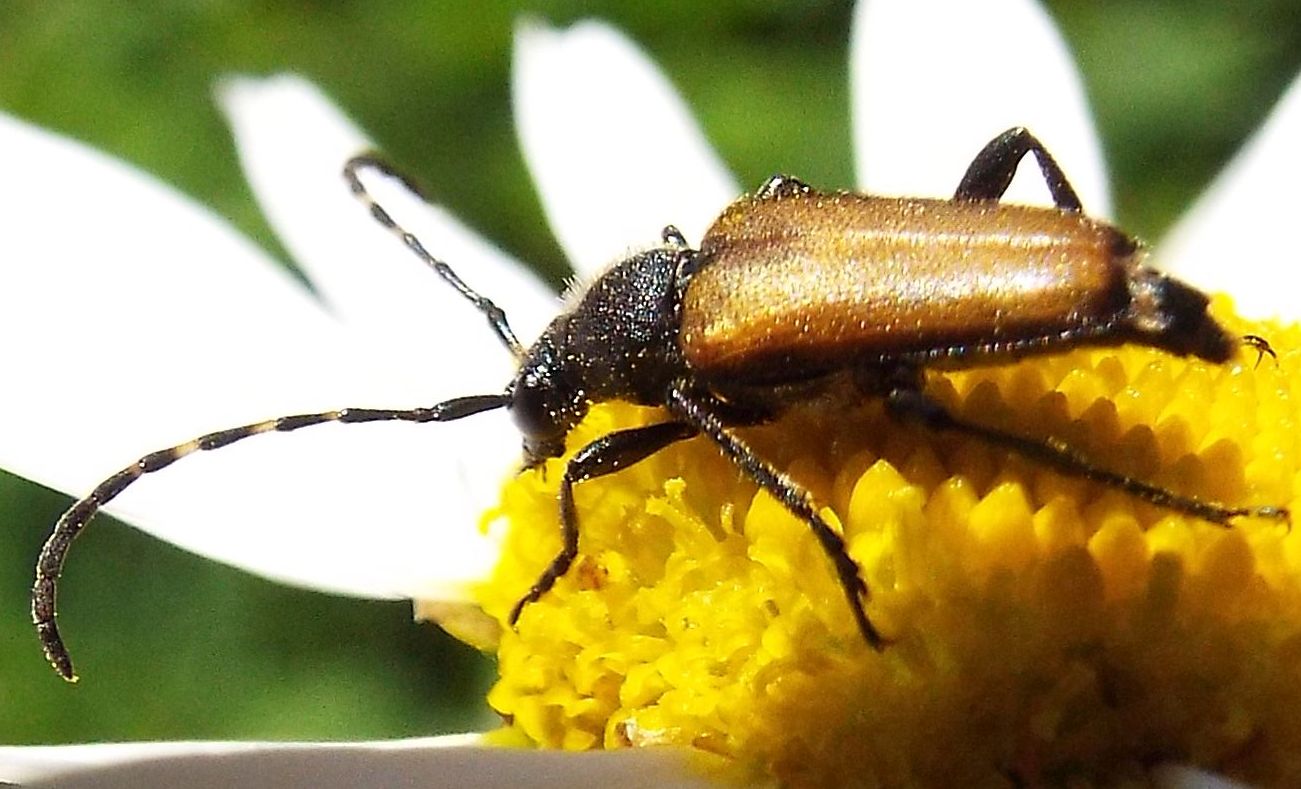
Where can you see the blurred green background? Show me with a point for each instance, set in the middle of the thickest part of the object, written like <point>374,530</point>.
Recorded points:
<point>176,647</point>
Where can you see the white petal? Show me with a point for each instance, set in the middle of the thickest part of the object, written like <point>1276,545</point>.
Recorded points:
<point>933,81</point>
<point>455,760</point>
<point>439,761</point>
<point>613,148</point>
<point>293,144</point>
<point>1180,776</point>
<point>137,320</point>
<point>1237,238</point>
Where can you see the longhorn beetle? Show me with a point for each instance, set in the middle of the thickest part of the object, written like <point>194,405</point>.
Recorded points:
<point>793,291</point>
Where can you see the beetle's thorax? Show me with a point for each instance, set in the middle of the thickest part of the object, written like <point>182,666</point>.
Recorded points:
<point>620,339</point>
<point>617,342</point>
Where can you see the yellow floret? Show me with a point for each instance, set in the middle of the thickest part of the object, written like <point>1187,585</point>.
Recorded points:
<point>1041,627</point>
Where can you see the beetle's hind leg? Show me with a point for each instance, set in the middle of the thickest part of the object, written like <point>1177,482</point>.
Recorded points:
<point>605,455</point>
<point>990,173</point>
<point>703,414</point>
<point>912,402</point>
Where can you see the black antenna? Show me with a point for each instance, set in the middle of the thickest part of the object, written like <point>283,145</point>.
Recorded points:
<point>49,566</point>
<point>496,316</point>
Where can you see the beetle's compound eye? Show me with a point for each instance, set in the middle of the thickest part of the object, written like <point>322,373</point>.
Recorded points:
<point>544,406</point>
<point>532,408</point>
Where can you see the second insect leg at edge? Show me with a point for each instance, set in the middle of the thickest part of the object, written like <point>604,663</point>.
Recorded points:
<point>606,455</point>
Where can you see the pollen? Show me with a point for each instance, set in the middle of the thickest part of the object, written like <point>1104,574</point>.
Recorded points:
<point>1041,628</point>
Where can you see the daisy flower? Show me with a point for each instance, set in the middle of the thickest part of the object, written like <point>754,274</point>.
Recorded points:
<point>1043,629</point>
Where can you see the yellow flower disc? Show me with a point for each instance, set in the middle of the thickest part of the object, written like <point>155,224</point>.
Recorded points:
<point>1042,628</point>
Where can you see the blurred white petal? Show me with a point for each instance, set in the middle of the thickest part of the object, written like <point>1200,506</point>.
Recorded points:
<point>1236,239</point>
<point>933,81</point>
<point>151,321</point>
<point>438,761</point>
<point>613,149</point>
<point>292,143</point>
<point>1180,776</point>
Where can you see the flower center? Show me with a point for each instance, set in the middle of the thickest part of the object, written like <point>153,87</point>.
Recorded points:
<point>1041,626</point>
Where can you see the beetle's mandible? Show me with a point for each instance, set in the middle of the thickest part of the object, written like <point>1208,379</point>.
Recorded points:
<point>790,292</point>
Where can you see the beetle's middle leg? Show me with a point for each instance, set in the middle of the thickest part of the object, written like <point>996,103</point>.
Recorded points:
<point>605,455</point>
<point>990,173</point>
<point>703,415</point>
<point>912,402</point>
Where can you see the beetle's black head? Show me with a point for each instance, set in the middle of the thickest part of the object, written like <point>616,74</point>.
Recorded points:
<point>544,402</point>
<point>618,341</point>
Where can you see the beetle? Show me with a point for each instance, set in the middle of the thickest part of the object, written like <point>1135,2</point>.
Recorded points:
<point>791,293</point>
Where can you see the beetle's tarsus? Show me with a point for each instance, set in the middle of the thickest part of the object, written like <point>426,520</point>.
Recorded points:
<point>1261,346</point>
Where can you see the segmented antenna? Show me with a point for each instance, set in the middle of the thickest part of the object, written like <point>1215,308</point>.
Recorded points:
<point>496,316</point>
<point>49,566</point>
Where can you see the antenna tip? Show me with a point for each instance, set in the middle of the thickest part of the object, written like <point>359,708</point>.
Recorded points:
<point>55,651</point>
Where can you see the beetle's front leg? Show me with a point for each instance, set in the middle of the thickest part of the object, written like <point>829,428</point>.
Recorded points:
<point>990,173</point>
<point>605,455</point>
<point>702,413</point>
<point>910,402</point>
